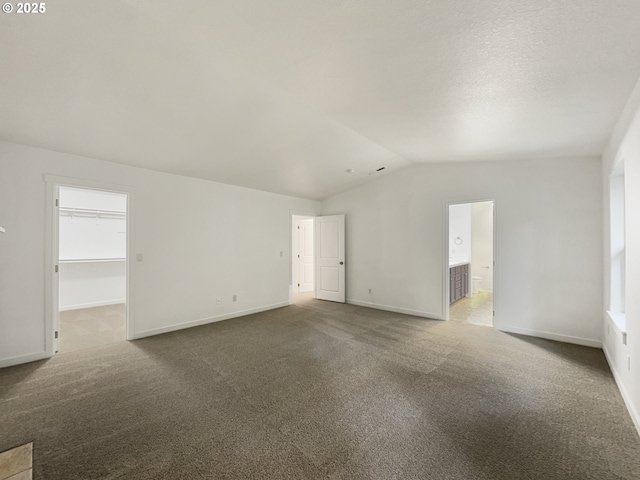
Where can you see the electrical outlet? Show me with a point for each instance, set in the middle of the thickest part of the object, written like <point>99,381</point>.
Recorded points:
<point>235,298</point>
<point>138,257</point>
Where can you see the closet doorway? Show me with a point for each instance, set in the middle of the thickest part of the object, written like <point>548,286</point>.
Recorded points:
<point>318,258</point>
<point>303,259</point>
<point>91,268</point>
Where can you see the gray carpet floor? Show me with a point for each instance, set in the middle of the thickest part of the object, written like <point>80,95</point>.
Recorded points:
<point>322,390</point>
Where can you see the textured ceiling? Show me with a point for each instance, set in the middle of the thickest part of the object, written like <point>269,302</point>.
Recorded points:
<point>285,96</point>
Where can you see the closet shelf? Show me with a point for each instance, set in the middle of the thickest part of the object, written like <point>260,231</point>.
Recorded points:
<point>92,212</point>
<point>91,260</point>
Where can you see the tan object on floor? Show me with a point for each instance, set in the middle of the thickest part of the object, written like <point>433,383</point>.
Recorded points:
<point>15,464</point>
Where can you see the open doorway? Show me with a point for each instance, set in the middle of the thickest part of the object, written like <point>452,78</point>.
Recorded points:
<point>92,268</point>
<point>470,248</point>
<point>318,258</point>
<point>303,273</point>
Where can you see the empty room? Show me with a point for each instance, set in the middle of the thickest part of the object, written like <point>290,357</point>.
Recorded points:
<point>320,240</point>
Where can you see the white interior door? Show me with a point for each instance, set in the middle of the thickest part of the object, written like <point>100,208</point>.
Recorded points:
<point>330,258</point>
<point>56,270</point>
<point>295,248</point>
<point>306,255</point>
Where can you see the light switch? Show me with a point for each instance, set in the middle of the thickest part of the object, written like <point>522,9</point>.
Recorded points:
<point>138,257</point>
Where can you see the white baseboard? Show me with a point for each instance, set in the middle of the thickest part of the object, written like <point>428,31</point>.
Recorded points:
<point>204,321</point>
<point>390,308</point>
<point>91,305</point>
<point>625,394</point>
<point>30,357</point>
<point>587,342</point>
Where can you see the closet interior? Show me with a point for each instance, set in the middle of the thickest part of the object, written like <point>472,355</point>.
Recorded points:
<point>92,268</point>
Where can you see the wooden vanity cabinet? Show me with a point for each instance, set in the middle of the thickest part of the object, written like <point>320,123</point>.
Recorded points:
<point>458,282</point>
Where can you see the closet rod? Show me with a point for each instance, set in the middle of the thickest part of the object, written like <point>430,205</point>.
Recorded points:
<point>91,260</point>
<point>91,210</point>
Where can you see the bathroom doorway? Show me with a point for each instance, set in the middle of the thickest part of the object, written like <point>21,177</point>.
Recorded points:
<point>470,266</point>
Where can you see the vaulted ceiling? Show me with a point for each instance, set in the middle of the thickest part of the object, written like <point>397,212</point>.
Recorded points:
<point>287,95</point>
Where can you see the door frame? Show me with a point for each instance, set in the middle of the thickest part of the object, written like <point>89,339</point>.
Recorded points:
<point>295,241</point>
<point>52,252</point>
<point>445,262</point>
<point>297,213</point>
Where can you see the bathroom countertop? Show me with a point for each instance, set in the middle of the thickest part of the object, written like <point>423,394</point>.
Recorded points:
<point>457,262</point>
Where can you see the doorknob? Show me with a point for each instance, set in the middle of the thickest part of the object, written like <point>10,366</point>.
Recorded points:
<point>341,263</point>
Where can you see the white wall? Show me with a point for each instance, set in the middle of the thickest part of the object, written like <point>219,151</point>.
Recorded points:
<point>201,241</point>
<point>482,244</point>
<point>460,227</point>
<point>549,222</point>
<point>92,284</point>
<point>92,199</point>
<point>625,359</point>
